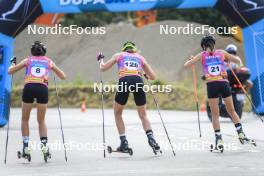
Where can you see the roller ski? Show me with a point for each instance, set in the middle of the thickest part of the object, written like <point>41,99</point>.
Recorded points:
<point>123,148</point>
<point>218,147</point>
<point>128,151</point>
<point>244,140</point>
<point>46,153</point>
<point>154,145</point>
<point>24,154</point>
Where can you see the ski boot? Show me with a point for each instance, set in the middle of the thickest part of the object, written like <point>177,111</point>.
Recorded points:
<point>219,145</point>
<point>46,153</point>
<point>123,148</point>
<point>25,154</point>
<point>154,145</point>
<point>243,139</point>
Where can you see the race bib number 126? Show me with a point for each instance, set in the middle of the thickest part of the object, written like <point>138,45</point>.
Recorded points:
<point>131,65</point>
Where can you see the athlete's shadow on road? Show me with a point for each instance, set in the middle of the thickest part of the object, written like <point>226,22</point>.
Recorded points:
<point>134,158</point>
<point>40,164</point>
<point>233,153</point>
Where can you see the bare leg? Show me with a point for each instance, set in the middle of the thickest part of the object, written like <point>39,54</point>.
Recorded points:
<point>213,102</point>
<point>41,112</point>
<point>118,111</point>
<point>248,85</point>
<point>147,127</point>
<point>231,110</point>
<point>235,118</point>
<point>26,109</point>
<point>143,117</point>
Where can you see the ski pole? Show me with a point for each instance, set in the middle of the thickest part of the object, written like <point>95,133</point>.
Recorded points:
<point>59,111</point>
<point>245,92</point>
<point>13,61</point>
<point>196,98</point>
<point>99,58</point>
<point>162,121</point>
<point>8,124</point>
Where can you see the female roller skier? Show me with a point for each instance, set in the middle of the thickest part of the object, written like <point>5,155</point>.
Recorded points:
<point>232,49</point>
<point>38,68</point>
<point>130,66</point>
<point>213,63</point>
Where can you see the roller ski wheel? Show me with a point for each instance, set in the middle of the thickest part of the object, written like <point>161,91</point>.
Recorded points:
<point>19,155</point>
<point>109,149</point>
<point>25,154</point>
<point>219,147</point>
<point>244,140</point>
<point>46,154</point>
<point>46,157</point>
<point>155,146</point>
<point>211,148</point>
<point>118,150</point>
<point>156,149</point>
<point>156,152</point>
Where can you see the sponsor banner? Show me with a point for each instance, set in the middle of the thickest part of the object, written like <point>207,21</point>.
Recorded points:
<point>254,50</point>
<point>6,50</point>
<point>242,12</point>
<point>15,15</point>
<point>197,4</point>
<point>76,6</point>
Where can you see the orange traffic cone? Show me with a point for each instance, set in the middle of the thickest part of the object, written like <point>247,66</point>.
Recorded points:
<point>83,106</point>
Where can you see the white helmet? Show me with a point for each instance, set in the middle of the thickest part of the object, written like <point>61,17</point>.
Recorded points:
<point>231,49</point>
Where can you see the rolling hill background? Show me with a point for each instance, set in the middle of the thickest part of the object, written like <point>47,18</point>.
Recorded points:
<point>75,54</point>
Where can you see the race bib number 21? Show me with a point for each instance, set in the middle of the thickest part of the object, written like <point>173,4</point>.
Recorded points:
<point>214,69</point>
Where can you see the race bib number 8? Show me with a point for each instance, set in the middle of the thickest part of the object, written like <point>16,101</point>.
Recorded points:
<point>131,65</point>
<point>38,71</point>
<point>214,70</point>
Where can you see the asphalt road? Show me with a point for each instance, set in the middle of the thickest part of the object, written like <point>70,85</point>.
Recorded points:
<point>83,134</point>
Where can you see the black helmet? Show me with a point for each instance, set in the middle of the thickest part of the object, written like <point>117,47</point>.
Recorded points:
<point>38,49</point>
<point>208,41</point>
<point>231,49</point>
<point>129,46</point>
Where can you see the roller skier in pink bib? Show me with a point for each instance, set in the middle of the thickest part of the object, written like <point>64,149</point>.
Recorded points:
<point>38,67</point>
<point>214,70</point>
<point>130,67</point>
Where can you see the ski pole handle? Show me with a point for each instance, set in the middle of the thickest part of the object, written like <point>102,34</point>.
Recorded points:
<point>13,60</point>
<point>100,56</point>
<point>146,76</point>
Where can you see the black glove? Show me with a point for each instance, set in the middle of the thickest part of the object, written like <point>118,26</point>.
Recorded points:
<point>146,76</point>
<point>99,56</point>
<point>203,77</point>
<point>13,60</point>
